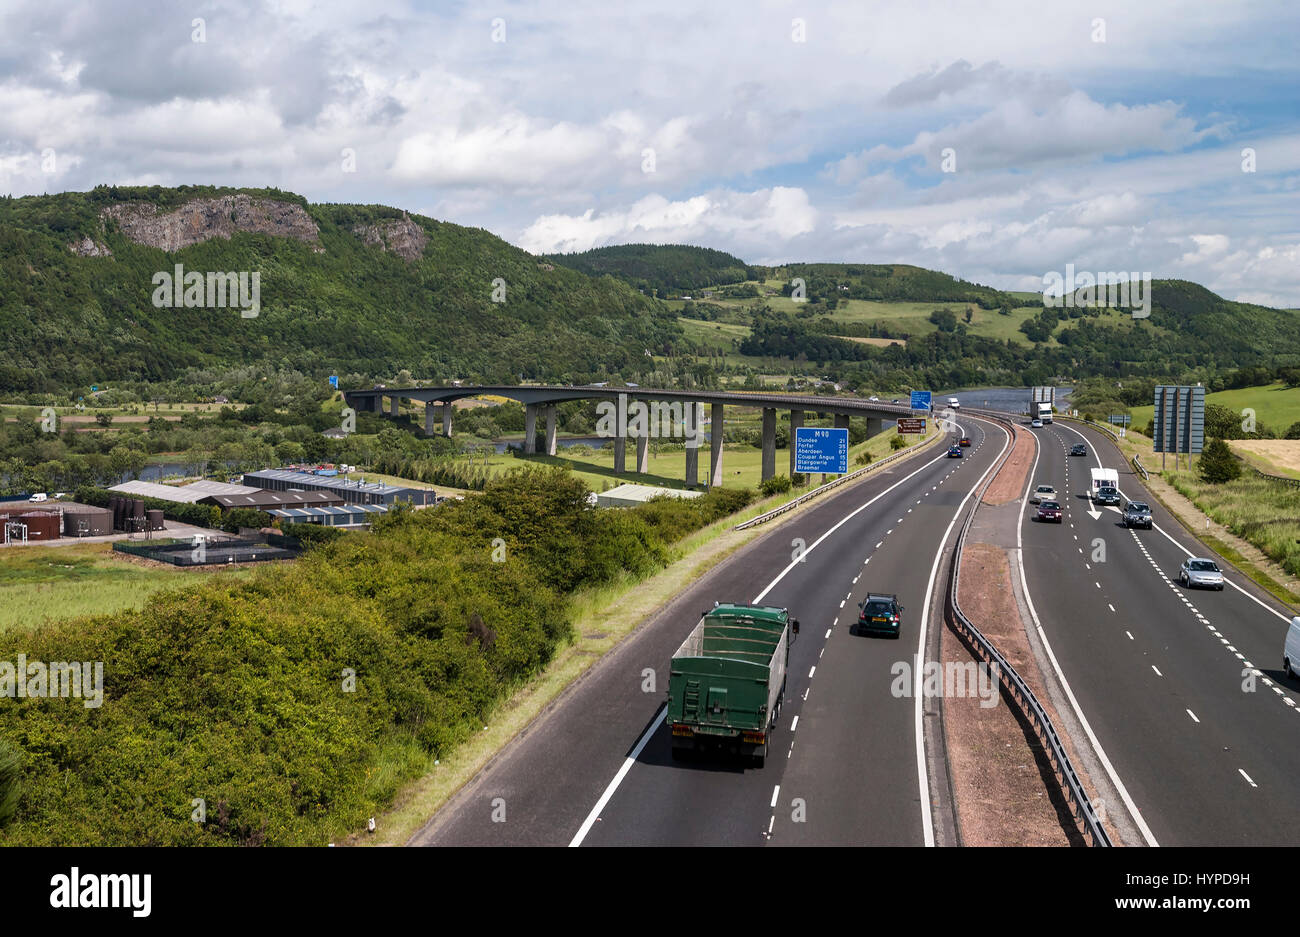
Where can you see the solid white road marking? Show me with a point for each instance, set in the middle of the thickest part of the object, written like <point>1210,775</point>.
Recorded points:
<point>628,762</point>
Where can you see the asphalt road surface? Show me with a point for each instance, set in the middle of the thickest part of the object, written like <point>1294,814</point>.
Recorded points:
<point>596,768</point>
<point>1166,676</point>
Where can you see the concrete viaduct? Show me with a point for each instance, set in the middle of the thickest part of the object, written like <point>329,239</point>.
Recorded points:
<point>542,400</point>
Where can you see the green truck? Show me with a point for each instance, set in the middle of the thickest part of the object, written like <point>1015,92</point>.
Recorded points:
<point>728,680</point>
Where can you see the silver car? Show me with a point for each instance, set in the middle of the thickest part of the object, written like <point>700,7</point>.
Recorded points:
<point>1043,493</point>
<point>1200,573</point>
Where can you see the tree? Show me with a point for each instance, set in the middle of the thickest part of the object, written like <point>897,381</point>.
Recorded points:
<point>1293,431</point>
<point>1217,464</point>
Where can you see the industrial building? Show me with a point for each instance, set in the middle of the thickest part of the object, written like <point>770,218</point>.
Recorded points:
<point>352,492</point>
<point>351,515</point>
<point>181,494</point>
<point>261,500</point>
<point>627,496</point>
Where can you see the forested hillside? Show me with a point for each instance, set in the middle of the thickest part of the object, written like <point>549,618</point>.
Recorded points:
<point>666,269</point>
<point>76,295</point>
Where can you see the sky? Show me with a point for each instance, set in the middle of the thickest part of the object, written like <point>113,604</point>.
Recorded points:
<point>995,141</point>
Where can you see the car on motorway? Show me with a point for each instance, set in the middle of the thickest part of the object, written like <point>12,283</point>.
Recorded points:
<point>1049,511</point>
<point>1106,495</point>
<point>1036,423</point>
<point>954,452</point>
<point>1199,572</point>
<point>874,399</point>
<point>964,442</point>
<point>1043,493</point>
<point>1078,449</point>
<point>879,613</point>
<point>1137,514</point>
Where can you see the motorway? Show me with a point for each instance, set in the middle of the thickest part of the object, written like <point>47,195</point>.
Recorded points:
<point>1183,689</point>
<point>845,767</point>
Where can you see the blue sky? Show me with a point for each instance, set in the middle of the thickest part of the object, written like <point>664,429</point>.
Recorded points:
<point>995,141</point>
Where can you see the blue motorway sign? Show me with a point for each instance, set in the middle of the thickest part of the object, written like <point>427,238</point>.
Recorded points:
<point>821,450</point>
<point>920,400</point>
<point>334,380</point>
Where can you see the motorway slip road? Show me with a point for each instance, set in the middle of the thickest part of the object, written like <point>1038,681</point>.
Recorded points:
<point>844,767</point>
<point>1183,688</point>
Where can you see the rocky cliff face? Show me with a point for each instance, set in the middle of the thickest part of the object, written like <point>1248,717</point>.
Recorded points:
<point>207,218</point>
<point>89,247</point>
<point>403,237</point>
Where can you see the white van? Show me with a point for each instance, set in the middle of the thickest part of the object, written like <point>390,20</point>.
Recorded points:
<point>40,496</point>
<point>1291,648</point>
<point>954,403</point>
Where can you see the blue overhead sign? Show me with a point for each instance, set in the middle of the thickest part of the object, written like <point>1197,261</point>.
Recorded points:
<point>334,380</point>
<point>920,400</point>
<point>821,450</point>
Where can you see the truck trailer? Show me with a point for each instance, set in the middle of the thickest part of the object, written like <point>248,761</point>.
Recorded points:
<point>1041,400</point>
<point>727,681</point>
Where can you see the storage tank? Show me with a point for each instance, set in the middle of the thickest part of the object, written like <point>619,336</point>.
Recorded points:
<point>83,520</point>
<point>115,504</point>
<point>136,519</point>
<point>155,519</point>
<point>41,525</point>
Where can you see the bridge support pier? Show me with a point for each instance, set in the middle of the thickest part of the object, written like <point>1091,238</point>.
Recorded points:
<point>796,421</point>
<point>620,455</point>
<point>446,418</point>
<point>393,405</point>
<point>643,453</point>
<point>875,426</point>
<point>715,445</point>
<point>551,446</point>
<point>769,443</point>
<point>429,415</point>
<point>692,418</point>
<point>530,428</point>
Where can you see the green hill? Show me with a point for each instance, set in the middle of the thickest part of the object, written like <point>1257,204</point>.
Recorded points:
<point>344,288</point>
<point>668,269</point>
<point>889,282</point>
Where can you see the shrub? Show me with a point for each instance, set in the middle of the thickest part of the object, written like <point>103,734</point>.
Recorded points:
<point>897,443</point>
<point>10,782</point>
<point>1217,463</point>
<point>777,484</point>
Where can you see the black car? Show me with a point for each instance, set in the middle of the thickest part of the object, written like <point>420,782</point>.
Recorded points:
<point>1106,495</point>
<point>1078,449</point>
<point>880,614</point>
<point>954,452</point>
<point>1137,514</point>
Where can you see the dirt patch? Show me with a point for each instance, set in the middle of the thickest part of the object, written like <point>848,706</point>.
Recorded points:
<point>878,342</point>
<point>997,773</point>
<point>1010,481</point>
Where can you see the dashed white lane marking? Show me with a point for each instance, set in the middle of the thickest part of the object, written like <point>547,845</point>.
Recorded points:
<point>842,601</point>
<point>1157,670</point>
<point>1248,778</point>
<point>828,634</point>
<point>794,724</point>
<point>813,671</point>
<point>1097,584</point>
<point>1130,635</point>
<point>888,532</point>
<point>805,693</point>
<point>775,793</point>
<point>1109,606</point>
<point>1193,715</point>
<point>772,819</point>
<point>878,545</point>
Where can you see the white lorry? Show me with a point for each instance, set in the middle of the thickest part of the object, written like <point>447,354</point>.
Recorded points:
<point>1105,486</point>
<point>1044,412</point>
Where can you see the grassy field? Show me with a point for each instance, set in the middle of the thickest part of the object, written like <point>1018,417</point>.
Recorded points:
<point>1275,405</point>
<point>1274,456</point>
<point>910,317</point>
<point>39,583</point>
<point>1264,513</point>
